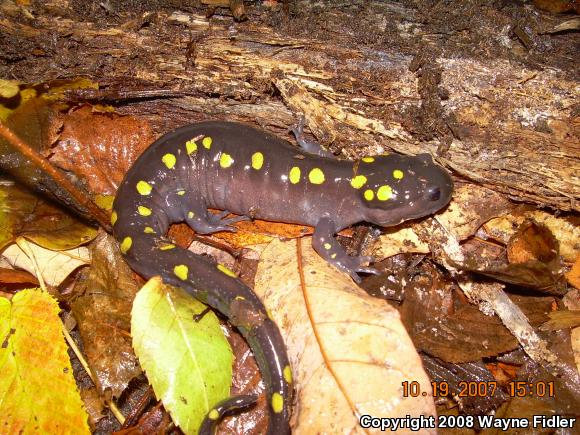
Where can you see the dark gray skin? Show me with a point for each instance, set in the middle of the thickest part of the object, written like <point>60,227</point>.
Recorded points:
<point>228,176</point>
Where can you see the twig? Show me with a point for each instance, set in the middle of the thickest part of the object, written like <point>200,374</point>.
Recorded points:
<point>37,160</point>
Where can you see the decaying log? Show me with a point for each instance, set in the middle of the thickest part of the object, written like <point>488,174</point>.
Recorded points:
<point>507,124</point>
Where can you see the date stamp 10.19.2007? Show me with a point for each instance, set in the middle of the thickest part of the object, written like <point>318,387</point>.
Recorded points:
<point>472,389</point>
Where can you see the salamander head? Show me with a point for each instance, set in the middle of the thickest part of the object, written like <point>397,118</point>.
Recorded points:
<point>397,188</point>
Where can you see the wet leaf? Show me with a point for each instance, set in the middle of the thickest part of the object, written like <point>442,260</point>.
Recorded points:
<point>188,362</point>
<point>101,306</point>
<point>99,148</point>
<point>447,329</point>
<point>347,349</point>
<point>38,391</point>
<point>24,214</point>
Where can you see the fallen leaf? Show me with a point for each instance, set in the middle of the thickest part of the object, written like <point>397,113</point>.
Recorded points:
<point>401,240</point>
<point>13,276</point>
<point>573,277</point>
<point>37,387</point>
<point>54,266</point>
<point>99,148</point>
<point>24,214</point>
<point>349,352</point>
<point>188,362</point>
<point>470,207</point>
<point>566,230</point>
<point>562,320</point>
<point>101,305</point>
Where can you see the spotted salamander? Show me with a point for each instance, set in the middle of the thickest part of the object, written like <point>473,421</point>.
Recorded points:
<point>251,173</point>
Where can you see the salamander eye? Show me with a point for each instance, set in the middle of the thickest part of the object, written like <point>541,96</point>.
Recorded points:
<point>434,193</point>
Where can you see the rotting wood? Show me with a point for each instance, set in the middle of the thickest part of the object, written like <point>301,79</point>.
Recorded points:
<point>516,129</point>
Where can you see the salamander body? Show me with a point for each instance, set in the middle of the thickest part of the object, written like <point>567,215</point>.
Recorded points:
<point>251,173</point>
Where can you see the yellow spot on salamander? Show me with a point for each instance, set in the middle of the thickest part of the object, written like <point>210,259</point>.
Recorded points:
<point>190,214</point>
<point>190,146</point>
<point>327,246</point>
<point>144,211</point>
<point>169,160</point>
<point>227,271</point>
<point>398,174</point>
<point>287,374</point>
<point>316,176</point>
<point>369,195</point>
<point>226,160</point>
<point>333,256</point>
<point>167,247</point>
<point>257,160</point>
<point>206,142</point>
<point>144,188</point>
<point>149,230</point>
<point>213,414</point>
<point>114,217</point>
<point>294,175</point>
<point>358,181</point>
<point>384,193</point>
<point>126,244</point>
<point>181,271</point>
<point>277,403</point>
<point>368,159</point>
<point>240,298</point>
<point>181,192</point>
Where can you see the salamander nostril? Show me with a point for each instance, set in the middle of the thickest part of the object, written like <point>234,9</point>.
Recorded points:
<point>434,193</point>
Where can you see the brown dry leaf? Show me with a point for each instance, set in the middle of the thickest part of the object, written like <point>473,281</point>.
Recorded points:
<point>566,230</point>
<point>349,351</point>
<point>532,242</point>
<point>455,335</point>
<point>562,320</point>
<point>99,148</point>
<point>534,255</point>
<point>467,335</point>
<point>102,308</point>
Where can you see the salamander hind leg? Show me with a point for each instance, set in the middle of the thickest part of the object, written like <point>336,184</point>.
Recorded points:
<point>204,222</point>
<point>328,248</point>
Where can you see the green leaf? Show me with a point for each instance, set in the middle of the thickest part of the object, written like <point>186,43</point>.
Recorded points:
<point>188,362</point>
<point>38,393</point>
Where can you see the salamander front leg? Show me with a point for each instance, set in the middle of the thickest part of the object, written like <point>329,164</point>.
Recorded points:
<point>310,147</point>
<point>328,248</point>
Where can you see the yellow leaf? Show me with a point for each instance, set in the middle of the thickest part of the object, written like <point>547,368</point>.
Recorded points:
<point>38,393</point>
